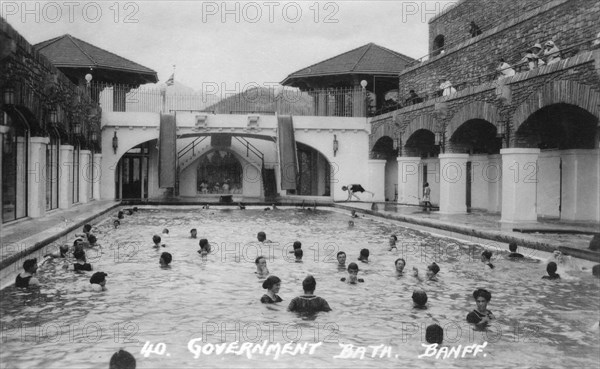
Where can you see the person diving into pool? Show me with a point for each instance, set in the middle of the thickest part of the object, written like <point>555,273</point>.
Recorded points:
<point>353,188</point>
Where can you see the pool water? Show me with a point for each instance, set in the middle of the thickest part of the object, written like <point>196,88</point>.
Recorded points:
<point>538,323</point>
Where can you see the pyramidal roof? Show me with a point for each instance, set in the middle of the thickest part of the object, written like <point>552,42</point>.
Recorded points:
<point>67,51</point>
<point>367,59</point>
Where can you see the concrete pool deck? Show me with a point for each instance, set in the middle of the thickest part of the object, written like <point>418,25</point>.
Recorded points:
<point>23,237</point>
<point>483,225</point>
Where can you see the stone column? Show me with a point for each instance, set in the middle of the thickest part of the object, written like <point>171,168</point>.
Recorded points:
<point>3,130</point>
<point>492,174</point>
<point>479,183</point>
<point>376,181</point>
<point>580,188</point>
<point>36,179</point>
<point>65,196</point>
<point>408,180</point>
<point>453,183</point>
<point>84,176</point>
<point>96,174</point>
<point>519,185</point>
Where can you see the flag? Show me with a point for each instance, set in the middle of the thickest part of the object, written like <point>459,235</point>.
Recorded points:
<point>171,80</point>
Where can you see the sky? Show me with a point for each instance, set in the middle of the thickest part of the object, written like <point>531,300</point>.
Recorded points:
<point>233,44</point>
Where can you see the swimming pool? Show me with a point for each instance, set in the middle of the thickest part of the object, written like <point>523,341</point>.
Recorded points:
<point>539,323</point>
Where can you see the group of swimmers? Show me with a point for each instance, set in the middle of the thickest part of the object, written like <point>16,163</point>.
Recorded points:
<point>74,258</point>
<point>306,303</point>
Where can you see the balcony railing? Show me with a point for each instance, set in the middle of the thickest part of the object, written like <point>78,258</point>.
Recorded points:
<point>343,102</point>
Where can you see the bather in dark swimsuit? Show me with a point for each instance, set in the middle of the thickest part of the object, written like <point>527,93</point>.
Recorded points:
<point>22,282</point>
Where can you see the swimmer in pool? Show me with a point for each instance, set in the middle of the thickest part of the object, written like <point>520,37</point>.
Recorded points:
<point>481,316</point>
<point>431,274</point>
<point>400,264</point>
<point>485,258</point>
<point>122,360</point>
<point>98,281</point>
<point>352,275</point>
<point>120,215</point>
<point>165,233</point>
<point>86,231</point>
<point>165,259</point>
<point>262,237</point>
<point>308,303</point>
<point>298,253</point>
<point>193,233</point>
<point>61,254</point>
<point>92,241</point>
<point>272,285</point>
<point>156,239</point>
<point>513,251</point>
<point>551,270</point>
<point>596,270</point>
<point>434,334</point>
<point>419,298</point>
<point>261,267</point>
<point>26,279</point>
<point>364,255</point>
<point>353,214</point>
<point>116,223</point>
<point>392,242</point>
<point>350,223</point>
<point>297,245</point>
<point>80,264</point>
<point>204,247</point>
<point>341,258</point>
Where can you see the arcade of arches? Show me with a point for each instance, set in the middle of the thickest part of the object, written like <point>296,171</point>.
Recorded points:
<point>552,166</point>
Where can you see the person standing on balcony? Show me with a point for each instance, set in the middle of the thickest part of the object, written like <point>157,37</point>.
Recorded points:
<point>531,59</point>
<point>446,87</point>
<point>474,30</point>
<point>551,52</point>
<point>539,53</point>
<point>413,98</point>
<point>504,69</point>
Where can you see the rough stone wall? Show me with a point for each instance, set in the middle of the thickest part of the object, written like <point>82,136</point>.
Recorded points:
<point>568,23</point>
<point>454,23</point>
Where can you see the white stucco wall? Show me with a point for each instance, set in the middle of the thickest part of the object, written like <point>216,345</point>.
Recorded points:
<point>348,166</point>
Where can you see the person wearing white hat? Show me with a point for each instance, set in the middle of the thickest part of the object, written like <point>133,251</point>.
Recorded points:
<point>552,53</point>
<point>537,51</point>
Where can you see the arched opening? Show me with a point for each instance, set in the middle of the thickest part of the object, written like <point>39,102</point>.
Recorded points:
<point>314,172</point>
<point>558,127</point>
<point>14,165</point>
<point>476,137</point>
<point>132,172</point>
<point>219,172</point>
<point>566,181</point>
<point>385,149</point>
<point>438,45</point>
<point>422,144</point>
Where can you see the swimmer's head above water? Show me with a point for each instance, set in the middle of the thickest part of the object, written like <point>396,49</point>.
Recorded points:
<point>165,259</point>
<point>341,258</point>
<point>400,264</point>
<point>419,298</point>
<point>261,236</point>
<point>364,255</point>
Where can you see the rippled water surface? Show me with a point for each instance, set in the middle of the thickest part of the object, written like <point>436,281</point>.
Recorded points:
<point>64,325</point>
